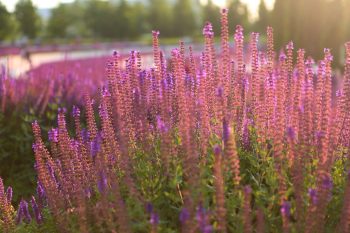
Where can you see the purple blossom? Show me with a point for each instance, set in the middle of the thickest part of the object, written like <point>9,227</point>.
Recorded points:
<point>217,149</point>
<point>41,193</point>
<point>203,220</point>
<point>282,56</point>
<point>208,30</point>
<point>291,133</point>
<point>327,182</point>
<point>154,220</point>
<point>247,189</point>
<point>290,45</point>
<point>25,211</point>
<point>95,146</point>
<point>319,135</point>
<point>36,211</point>
<point>322,68</point>
<point>76,111</point>
<point>102,182</point>
<point>53,135</point>
<point>184,215</point>
<point>9,193</point>
<point>149,207</point>
<point>225,131</point>
<point>285,209</point>
<point>313,195</point>
<point>62,110</point>
<point>19,215</point>
<point>220,92</point>
<point>155,33</point>
<point>161,126</point>
<point>239,33</point>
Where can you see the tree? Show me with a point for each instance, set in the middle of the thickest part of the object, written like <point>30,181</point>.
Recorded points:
<point>211,13</point>
<point>185,20</point>
<point>7,24</point>
<point>238,14</point>
<point>28,19</point>
<point>59,21</point>
<point>160,16</point>
<point>67,20</point>
<point>100,18</point>
<point>264,17</point>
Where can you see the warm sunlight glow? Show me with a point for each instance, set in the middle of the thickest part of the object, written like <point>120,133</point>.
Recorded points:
<point>253,5</point>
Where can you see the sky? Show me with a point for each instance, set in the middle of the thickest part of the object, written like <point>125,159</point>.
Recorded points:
<point>252,4</point>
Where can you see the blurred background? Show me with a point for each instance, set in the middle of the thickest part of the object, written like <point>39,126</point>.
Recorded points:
<point>51,50</point>
<point>311,24</point>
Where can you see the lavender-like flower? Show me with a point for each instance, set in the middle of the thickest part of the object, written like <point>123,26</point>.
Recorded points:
<point>9,193</point>
<point>184,215</point>
<point>53,135</point>
<point>102,182</point>
<point>285,209</point>
<point>161,126</point>
<point>225,130</point>
<point>220,92</point>
<point>41,193</point>
<point>154,220</point>
<point>313,195</point>
<point>95,146</point>
<point>327,182</point>
<point>25,211</point>
<point>217,149</point>
<point>290,45</point>
<point>203,220</point>
<point>149,207</point>
<point>291,133</point>
<point>76,111</point>
<point>37,214</point>
<point>208,30</point>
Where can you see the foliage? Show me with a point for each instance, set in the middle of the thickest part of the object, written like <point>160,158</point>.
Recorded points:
<point>28,19</point>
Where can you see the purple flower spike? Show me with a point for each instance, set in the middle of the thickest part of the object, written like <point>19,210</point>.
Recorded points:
<point>161,125</point>
<point>154,219</point>
<point>225,131</point>
<point>53,135</point>
<point>285,209</point>
<point>95,146</point>
<point>149,207</point>
<point>207,229</point>
<point>40,192</point>
<point>102,182</point>
<point>105,92</point>
<point>282,56</point>
<point>76,111</point>
<point>290,45</point>
<point>9,193</point>
<point>62,110</point>
<point>115,53</point>
<point>36,211</point>
<point>224,11</point>
<point>220,92</point>
<point>184,215</point>
<point>327,182</point>
<point>217,149</point>
<point>19,215</point>
<point>247,189</point>
<point>208,30</point>
<point>25,211</point>
<point>155,33</point>
<point>313,195</point>
<point>291,133</point>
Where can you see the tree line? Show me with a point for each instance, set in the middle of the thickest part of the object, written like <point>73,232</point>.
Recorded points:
<point>311,24</point>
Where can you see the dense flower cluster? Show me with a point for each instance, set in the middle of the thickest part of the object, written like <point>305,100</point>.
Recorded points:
<point>228,141</point>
